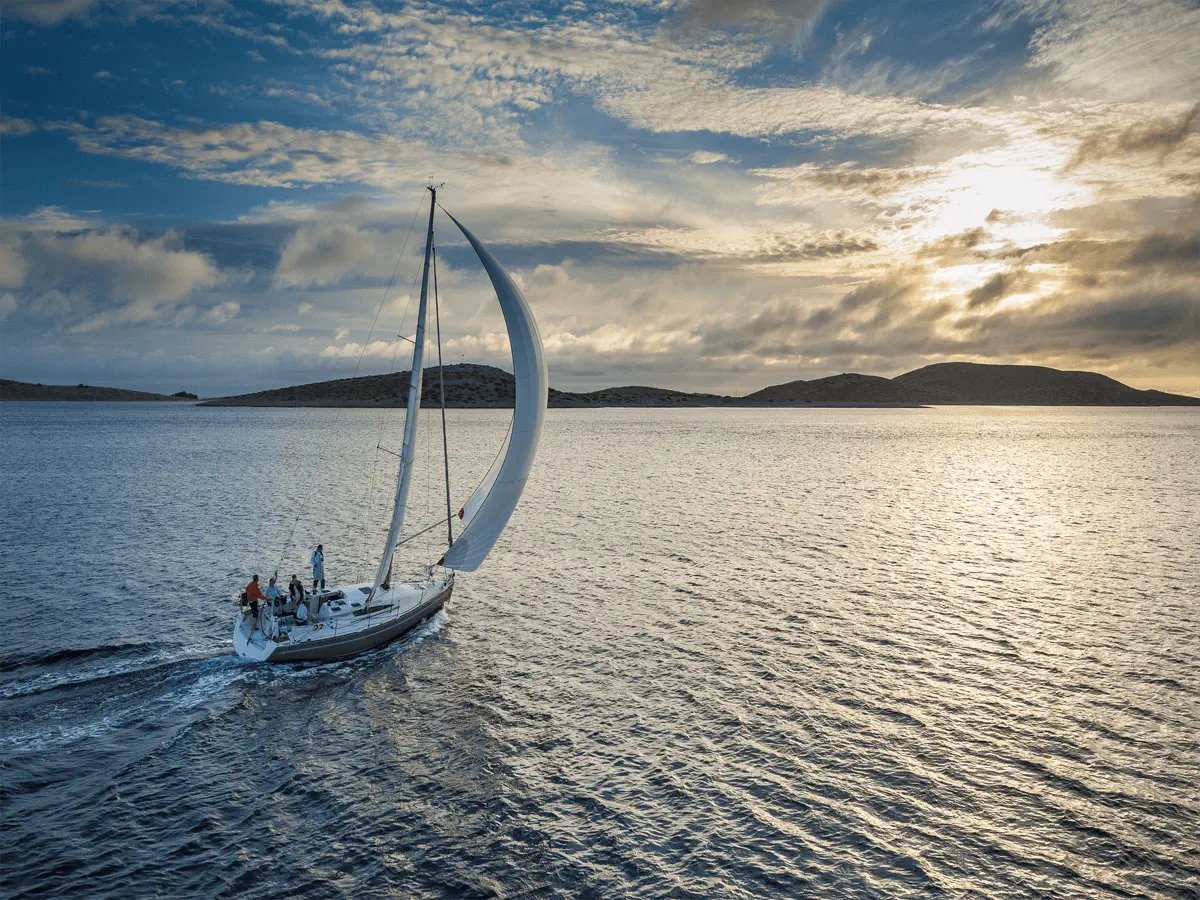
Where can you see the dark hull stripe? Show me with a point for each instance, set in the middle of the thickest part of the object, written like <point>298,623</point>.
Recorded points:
<point>377,636</point>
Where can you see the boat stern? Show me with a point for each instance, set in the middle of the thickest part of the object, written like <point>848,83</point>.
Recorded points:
<point>248,645</point>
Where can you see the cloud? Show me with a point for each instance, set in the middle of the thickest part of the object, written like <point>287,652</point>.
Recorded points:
<point>997,287</point>
<point>8,305</point>
<point>55,12</point>
<point>60,260</point>
<point>267,154</point>
<point>48,12</point>
<point>14,127</point>
<point>322,254</point>
<point>378,350</point>
<point>484,78</point>
<point>1172,249</point>
<point>104,184</point>
<point>12,266</point>
<point>1149,319</point>
<point>784,21</point>
<point>785,248</point>
<point>850,178</point>
<point>693,101</point>
<point>136,269</point>
<point>1161,136</point>
<point>707,157</point>
<point>222,312</point>
<point>1116,49</point>
<point>955,247</point>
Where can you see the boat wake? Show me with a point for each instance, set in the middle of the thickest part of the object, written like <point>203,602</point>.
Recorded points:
<point>38,674</point>
<point>133,684</point>
<point>69,654</point>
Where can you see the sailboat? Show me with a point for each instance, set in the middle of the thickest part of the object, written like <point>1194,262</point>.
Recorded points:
<point>354,618</point>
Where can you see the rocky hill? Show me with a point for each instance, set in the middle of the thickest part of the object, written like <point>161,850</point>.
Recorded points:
<point>972,384</point>
<point>20,390</point>
<point>467,385</point>
<point>847,388</point>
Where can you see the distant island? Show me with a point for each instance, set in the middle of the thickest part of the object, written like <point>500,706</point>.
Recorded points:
<point>474,386</point>
<point>20,390</point>
<point>470,385</point>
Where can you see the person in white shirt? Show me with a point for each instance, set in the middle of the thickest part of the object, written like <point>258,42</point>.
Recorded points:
<point>302,613</point>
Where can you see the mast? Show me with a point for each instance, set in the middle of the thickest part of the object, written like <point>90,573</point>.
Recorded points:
<point>408,450</point>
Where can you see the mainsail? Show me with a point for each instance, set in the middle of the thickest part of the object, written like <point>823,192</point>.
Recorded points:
<point>488,510</point>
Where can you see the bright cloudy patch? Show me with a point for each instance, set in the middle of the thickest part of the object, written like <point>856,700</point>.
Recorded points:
<point>700,195</point>
<point>129,279</point>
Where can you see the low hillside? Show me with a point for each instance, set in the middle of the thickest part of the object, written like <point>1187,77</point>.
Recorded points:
<point>634,396</point>
<point>974,383</point>
<point>20,390</point>
<point>466,385</point>
<point>848,388</point>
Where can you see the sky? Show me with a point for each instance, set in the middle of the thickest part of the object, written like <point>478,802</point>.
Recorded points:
<point>707,195</point>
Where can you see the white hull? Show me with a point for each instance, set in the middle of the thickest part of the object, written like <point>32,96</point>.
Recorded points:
<point>343,627</point>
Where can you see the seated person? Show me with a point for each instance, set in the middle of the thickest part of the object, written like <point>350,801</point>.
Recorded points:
<point>275,595</point>
<point>296,592</point>
<point>302,613</point>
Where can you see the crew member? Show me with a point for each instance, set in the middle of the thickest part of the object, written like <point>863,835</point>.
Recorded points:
<point>295,592</point>
<point>275,594</point>
<point>318,567</point>
<point>254,596</point>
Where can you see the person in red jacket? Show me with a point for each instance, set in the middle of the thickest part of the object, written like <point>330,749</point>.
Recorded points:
<point>254,595</point>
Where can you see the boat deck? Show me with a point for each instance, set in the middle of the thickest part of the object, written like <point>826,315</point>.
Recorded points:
<point>343,623</point>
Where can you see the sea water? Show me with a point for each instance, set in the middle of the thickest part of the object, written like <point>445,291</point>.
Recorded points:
<point>717,653</point>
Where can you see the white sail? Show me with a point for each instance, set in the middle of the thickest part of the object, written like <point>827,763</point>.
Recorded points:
<point>409,449</point>
<point>492,504</point>
<point>473,504</point>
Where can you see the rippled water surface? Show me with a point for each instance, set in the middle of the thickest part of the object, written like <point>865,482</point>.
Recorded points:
<point>719,653</point>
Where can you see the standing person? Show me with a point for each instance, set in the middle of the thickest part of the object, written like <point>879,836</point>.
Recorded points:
<point>318,567</point>
<point>254,596</point>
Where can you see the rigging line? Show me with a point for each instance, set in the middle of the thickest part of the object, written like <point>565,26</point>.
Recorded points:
<point>437,316</point>
<point>417,534</point>
<point>391,281</point>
